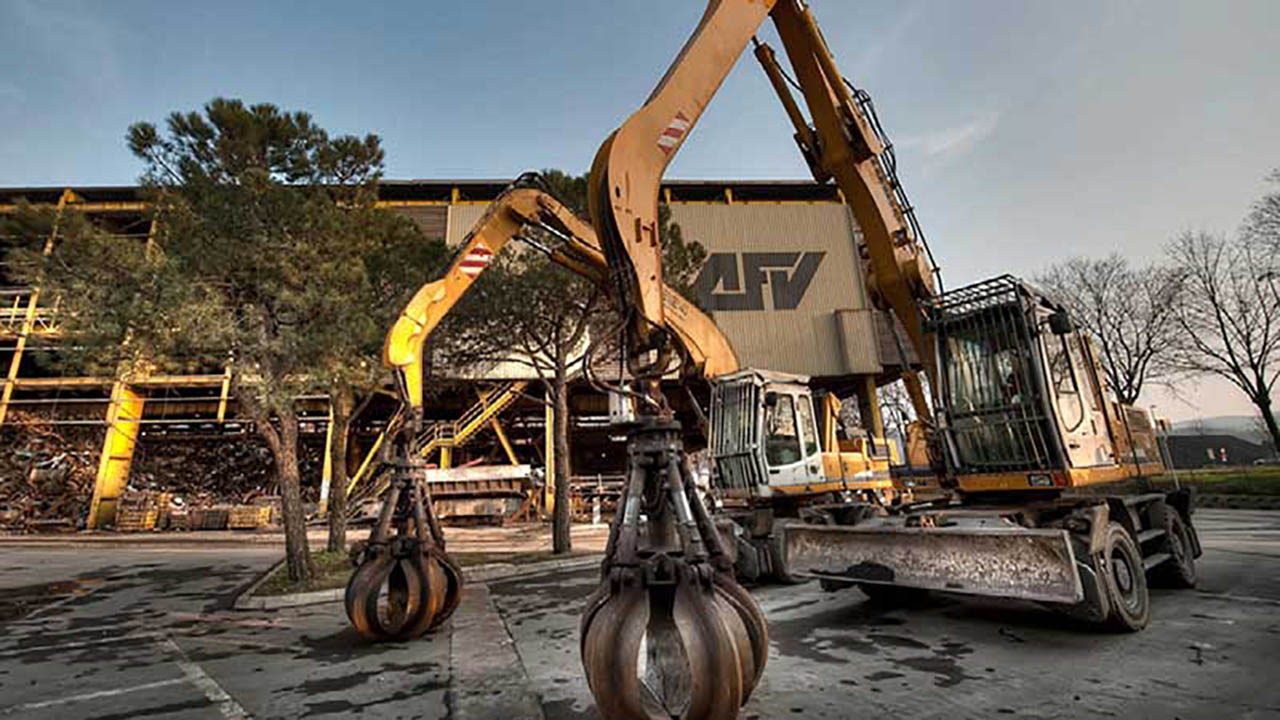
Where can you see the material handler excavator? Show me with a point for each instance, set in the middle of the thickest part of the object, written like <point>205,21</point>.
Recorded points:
<point>1025,427</point>
<point>1024,424</point>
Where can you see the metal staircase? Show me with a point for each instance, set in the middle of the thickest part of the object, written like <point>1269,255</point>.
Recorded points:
<point>438,437</point>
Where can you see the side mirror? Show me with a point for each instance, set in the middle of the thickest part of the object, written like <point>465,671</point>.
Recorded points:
<point>1060,323</point>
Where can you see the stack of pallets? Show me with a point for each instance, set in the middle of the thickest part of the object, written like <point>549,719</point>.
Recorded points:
<point>139,510</point>
<point>209,519</point>
<point>249,517</point>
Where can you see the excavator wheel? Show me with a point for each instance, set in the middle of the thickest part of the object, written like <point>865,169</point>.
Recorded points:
<point>779,571</point>
<point>1179,571</point>
<point>1126,581</point>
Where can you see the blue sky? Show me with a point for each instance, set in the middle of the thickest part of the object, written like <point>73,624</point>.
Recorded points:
<point>1027,131</point>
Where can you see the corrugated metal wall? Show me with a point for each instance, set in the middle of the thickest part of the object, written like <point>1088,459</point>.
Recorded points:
<point>782,280</point>
<point>784,283</point>
<point>432,219</point>
<point>461,219</point>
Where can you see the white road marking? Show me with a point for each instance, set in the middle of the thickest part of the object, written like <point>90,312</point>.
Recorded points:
<point>79,644</point>
<point>27,707</point>
<point>226,705</point>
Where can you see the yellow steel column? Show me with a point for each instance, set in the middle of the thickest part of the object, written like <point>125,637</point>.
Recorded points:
<point>28,320</point>
<point>549,441</point>
<point>446,457</point>
<point>124,416</point>
<point>326,474</point>
<point>869,408</point>
<point>223,394</point>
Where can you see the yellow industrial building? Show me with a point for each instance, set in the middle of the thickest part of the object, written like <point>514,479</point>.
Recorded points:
<point>784,279</point>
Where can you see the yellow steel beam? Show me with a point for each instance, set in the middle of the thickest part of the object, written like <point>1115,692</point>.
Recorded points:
<point>92,207</point>
<point>368,463</point>
<point>549,452</point>
<point>222,396</point>
<point>502,439</point>
<point>124,416</point>
<point>28,320</point>
<point>326,474</point>
<point>872,403</point>
<point>155,381</point>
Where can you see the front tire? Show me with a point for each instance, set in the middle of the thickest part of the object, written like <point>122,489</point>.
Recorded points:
<point>1126,581</point>
<point>778,560</point>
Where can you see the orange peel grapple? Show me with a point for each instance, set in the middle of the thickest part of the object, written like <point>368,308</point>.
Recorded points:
<point>668,633</point>
<point>405,584</point>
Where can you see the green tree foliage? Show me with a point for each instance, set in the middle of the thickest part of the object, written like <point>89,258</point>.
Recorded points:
<point>270,257</point>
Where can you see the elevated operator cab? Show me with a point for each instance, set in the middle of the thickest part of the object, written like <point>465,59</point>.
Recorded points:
<point>1023,402</point>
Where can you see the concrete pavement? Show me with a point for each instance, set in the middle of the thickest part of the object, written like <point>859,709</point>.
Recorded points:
<point>1208,653</point>
<point>145,632</point>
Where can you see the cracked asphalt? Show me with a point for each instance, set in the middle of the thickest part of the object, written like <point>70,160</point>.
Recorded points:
<point>126,632</point>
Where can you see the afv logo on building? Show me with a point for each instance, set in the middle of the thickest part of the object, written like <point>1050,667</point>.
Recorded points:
<point>735,281</point>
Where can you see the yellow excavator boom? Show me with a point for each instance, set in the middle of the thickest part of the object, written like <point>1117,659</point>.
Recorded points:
<point>843,144</point>
<point>709,352</point>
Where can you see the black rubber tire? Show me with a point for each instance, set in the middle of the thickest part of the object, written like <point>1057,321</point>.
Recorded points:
<point>778,561</point>
<point>1126,581</point>
<point>1180,570</point>
<point>892,596</point>
<point>829,585</point>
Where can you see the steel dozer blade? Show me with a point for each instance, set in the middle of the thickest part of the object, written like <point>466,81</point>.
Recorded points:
<point>973,558</point>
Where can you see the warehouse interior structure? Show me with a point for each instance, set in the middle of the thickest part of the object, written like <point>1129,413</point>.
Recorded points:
<point>784,279</point>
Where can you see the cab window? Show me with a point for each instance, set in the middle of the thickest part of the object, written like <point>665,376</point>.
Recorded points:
<point>807,429</point>
<point>782,441</point>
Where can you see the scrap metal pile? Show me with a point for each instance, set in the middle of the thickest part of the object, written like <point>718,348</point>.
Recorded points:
<point>205,471</point>
<point>46,473</point>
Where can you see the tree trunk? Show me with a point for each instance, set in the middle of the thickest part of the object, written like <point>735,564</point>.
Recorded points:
<point>561,517</point>
<point>1264,407</point>
<point>284,447</point>
<point>343,402</point>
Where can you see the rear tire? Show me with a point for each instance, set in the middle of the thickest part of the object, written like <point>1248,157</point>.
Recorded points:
<point>1126,581</point>
<point>1179,571</point>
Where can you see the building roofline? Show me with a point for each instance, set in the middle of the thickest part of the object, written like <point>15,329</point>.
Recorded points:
<point>684,190</point>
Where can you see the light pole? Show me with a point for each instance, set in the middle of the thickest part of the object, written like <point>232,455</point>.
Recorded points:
<point>1162,442</point>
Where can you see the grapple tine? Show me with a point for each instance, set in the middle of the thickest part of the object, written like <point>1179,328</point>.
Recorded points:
<point>611,651</point>
<point>715,667</point>
<point>452,588</point>
<point>754,625</point>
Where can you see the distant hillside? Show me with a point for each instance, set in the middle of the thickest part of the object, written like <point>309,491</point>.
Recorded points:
<point>1242,426</point>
